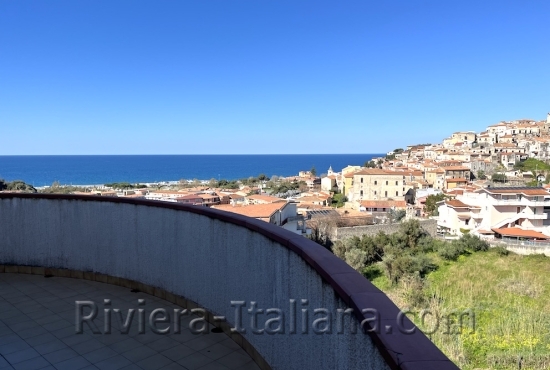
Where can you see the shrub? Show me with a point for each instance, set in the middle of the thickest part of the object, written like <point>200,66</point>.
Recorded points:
<point>429,244</point>
<point>412,290</point>
<point>449,253</point>
<point>501,251</point>
<point>396,266</point>
<point>474,243</point>
<point>373,250</point>
<point>356,258</point>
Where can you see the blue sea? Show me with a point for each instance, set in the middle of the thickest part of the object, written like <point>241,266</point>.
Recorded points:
<point>101,169</point>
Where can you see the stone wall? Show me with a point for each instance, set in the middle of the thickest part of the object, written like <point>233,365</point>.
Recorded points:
<point>346,232</point>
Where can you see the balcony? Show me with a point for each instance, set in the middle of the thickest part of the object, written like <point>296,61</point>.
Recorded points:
<point>520,202</point>
<point>197,257</point>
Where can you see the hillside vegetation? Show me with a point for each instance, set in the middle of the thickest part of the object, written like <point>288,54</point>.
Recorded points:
<point>504,299</point>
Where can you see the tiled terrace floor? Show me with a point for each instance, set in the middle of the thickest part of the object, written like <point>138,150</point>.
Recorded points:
<point>37,331</point>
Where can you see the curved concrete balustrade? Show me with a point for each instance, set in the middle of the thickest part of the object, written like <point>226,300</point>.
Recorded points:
<point>212,258</point>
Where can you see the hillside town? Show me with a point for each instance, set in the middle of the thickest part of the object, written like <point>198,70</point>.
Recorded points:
<point>470,182</point>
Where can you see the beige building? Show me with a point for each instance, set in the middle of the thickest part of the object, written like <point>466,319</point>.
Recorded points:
<point>435,178</point>
<point>461,137</point>
<point>376,184</point>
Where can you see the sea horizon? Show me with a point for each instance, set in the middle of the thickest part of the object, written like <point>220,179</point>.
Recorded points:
<point>92,169</point>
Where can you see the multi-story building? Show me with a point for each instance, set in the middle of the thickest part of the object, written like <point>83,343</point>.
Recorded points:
<point>280,213</point>
<point>498,212</point>
<point>456,176</point>
<point>376,184</point>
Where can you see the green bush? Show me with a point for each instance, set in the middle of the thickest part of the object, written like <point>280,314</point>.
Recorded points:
<point>412,289</point>
<point>501,251</point>
<point>451,251</point>
<point>474,243</point>
<point>397,266</point>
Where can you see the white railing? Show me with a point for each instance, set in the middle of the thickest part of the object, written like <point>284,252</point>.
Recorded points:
<point>523,201</point>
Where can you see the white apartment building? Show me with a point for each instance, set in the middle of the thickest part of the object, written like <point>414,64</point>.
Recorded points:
<point>496,212</point>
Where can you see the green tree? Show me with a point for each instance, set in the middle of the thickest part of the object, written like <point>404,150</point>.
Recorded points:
<point>370,164</point>
<point>338,200</point>
<point>313,171</point>
<point>481,175</point>
<point>3,185</point>
<point>431,203</point>
<point>532,164</point>
<point>19,185</point>
<point>120,185</point>
<point>396,215</point>
<point>262,177</point>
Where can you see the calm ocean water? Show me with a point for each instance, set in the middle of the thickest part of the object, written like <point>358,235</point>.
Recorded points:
<point>100,169</point>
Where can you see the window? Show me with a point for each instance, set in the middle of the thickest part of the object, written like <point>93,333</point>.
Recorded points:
<point>375,182</point>
<point>385,193</point>
<point>397,183</point>
<point>361,180</point>
<point>361,192</point>
<point>467,221</point>
<point>396,193</point>
<point>375,192</point>
<point>534,211</point>
<point>386,183</point>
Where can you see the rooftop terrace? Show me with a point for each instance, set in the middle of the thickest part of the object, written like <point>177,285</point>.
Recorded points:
<point>37,331</point>
<point>191,257</point>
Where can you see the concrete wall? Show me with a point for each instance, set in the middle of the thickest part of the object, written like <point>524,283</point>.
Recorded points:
<point>526,250</point>
<point>347,232</point>
<point>206,260</point>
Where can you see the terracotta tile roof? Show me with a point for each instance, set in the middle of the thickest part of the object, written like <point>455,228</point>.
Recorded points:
<point>169,192</point>
<point>207,196</point>
<point>485,231</point>
<point>456,204</point>
<point>265,198</point>
<point>310,199</point>
<point>456,191</point>
<point>517,232</point>
<point>456,168</point>
<point>253,210</point>
<point>306,206</point>
<point>191,196</point>
<point>376,171</point>
<point>519,190</point>
<point>461,179</point>
<point>438,170</point>
<point>504,145</point>
<point>384,203</point>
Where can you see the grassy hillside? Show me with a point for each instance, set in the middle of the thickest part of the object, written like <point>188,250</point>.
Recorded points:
<point>508,294</point>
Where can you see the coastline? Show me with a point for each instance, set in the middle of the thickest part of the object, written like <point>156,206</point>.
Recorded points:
<point>43,171</point>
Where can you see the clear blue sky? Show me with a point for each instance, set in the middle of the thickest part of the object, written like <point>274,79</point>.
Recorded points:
<point>258,76</point>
